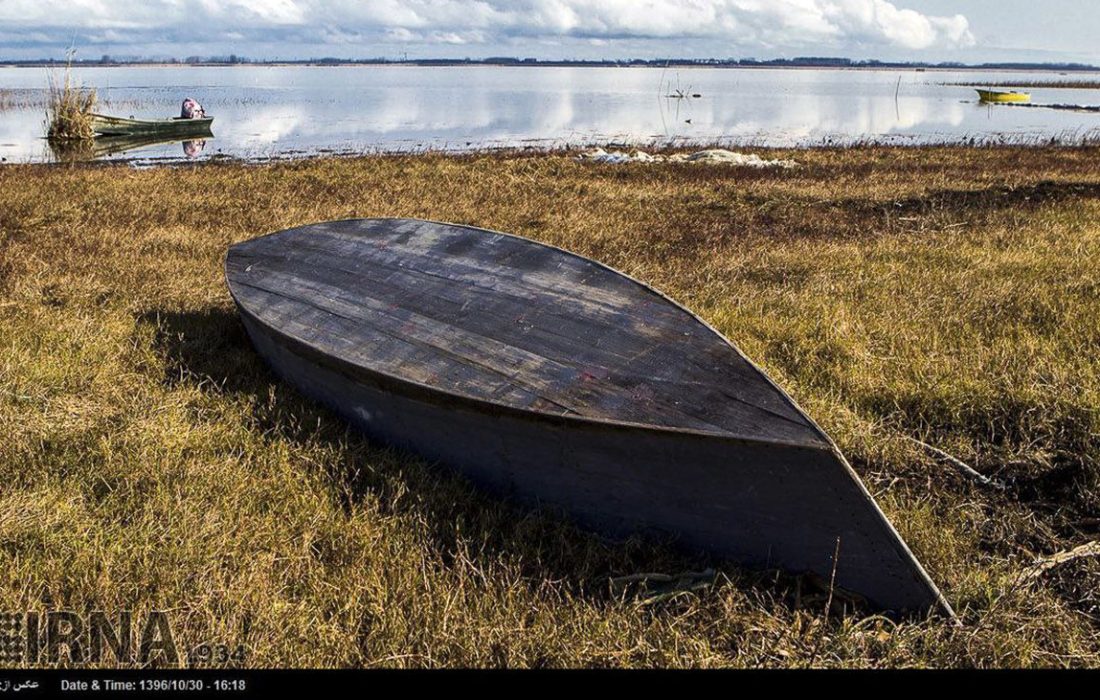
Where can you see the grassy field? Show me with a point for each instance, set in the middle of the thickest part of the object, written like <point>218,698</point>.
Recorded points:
<point>149,461</point>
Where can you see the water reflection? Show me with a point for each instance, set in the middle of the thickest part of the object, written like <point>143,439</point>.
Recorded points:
<point>281,111</point>
<point>193,148</point>
<point>103,147</point>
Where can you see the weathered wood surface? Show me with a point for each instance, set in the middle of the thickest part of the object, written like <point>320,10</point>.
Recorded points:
<point>499,318</point>
<point>550,377</point>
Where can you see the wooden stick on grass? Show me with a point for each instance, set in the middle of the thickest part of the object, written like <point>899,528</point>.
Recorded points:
<point>966,469</point>
<point>1045,564</point>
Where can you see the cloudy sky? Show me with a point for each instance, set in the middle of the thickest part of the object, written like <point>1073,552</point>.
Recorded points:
<point>972,31</point>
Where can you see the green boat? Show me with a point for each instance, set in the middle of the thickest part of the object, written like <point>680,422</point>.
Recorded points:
<point>104,125</point>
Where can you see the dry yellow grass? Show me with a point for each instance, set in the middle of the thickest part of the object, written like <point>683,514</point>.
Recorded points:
<point>150,461</point>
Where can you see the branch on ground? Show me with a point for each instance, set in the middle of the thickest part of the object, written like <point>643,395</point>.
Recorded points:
<point>967,470</point>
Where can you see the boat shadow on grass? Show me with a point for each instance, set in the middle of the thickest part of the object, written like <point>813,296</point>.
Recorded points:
<point>209,349</point>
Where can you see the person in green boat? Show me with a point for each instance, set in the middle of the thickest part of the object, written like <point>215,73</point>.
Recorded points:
<point>191,109</point>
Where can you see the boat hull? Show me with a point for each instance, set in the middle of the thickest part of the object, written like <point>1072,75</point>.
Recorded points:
<point>104,125</point>
<point>1003,97</point>
<point>761,505</point>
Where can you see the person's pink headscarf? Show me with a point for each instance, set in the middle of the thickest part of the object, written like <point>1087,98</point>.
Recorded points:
<point>192,110</point>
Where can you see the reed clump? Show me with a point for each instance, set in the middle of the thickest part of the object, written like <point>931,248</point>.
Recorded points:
<point>69,110</point>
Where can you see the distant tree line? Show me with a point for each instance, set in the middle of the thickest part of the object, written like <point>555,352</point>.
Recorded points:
<point>798,62</point>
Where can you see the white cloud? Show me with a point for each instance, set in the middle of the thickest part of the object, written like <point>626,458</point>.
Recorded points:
<point>878,19</point>
<point>742,24</point>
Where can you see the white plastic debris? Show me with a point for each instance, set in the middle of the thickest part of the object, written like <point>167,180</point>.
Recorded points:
<point>721,155</point>
<point>601,156</point>
<point>711,156</point>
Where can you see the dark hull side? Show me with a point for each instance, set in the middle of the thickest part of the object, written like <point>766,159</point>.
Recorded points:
<point>761,505</point>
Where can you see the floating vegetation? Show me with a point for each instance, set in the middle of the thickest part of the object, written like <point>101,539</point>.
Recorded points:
<point>1062,84</point>
<point>13,99</point>
<point>21,99</point>
<point>1068,107</point>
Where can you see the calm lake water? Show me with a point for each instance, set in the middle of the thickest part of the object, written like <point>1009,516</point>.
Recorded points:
<point>276,112</point>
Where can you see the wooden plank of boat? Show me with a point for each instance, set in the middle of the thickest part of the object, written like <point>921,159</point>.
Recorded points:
<point>105,125</point>
<point>550,377</point>
<point>1001,96</point>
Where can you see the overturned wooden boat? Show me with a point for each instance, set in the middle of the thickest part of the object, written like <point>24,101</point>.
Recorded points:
<point>104,125</point>
<point>550,377</point>
<point>1002,96</point>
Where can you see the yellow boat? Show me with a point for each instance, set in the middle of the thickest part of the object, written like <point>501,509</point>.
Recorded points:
<point>1000,96</point>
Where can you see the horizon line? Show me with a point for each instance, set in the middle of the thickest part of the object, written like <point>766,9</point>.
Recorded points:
<point>798,61</point>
